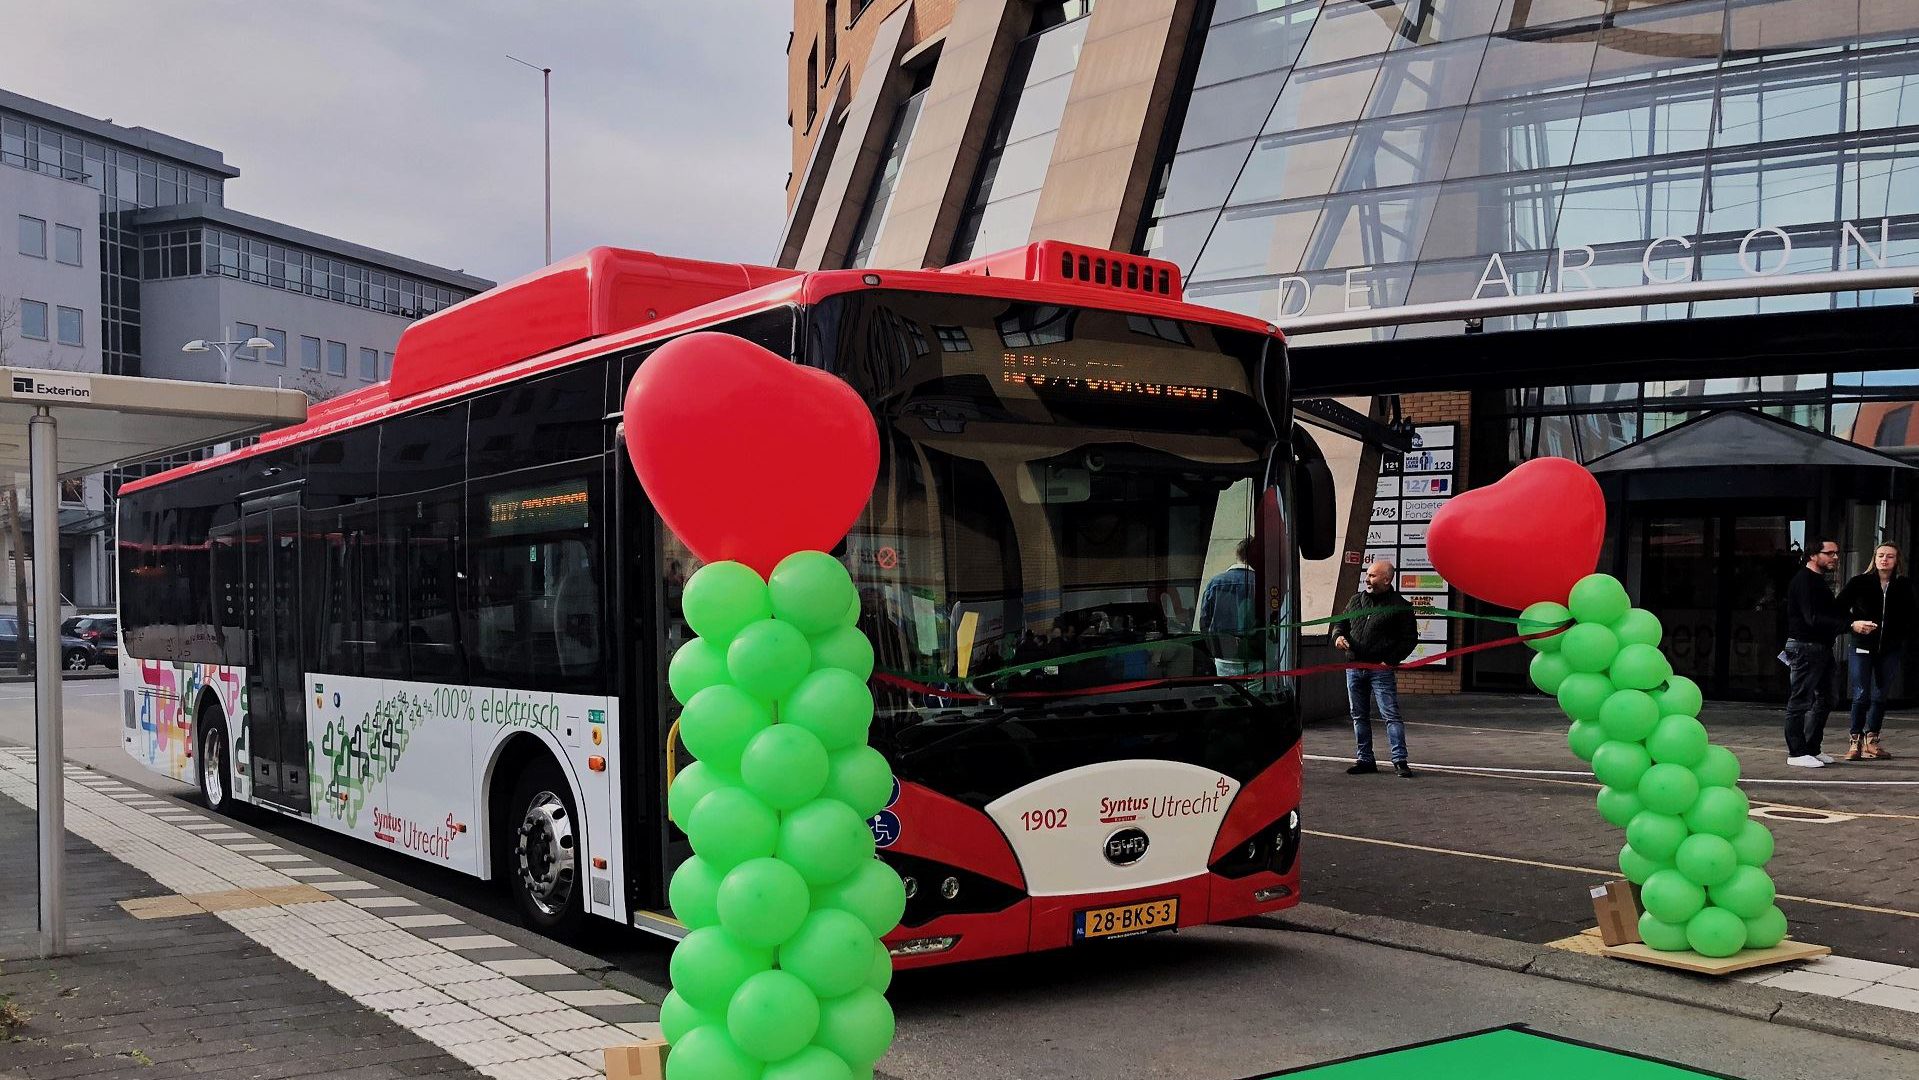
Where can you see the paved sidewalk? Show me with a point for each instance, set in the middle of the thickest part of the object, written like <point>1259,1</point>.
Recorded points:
<point>203,948</point>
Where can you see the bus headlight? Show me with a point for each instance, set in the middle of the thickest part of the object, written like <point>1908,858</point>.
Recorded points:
<point>912,886</point>
<point>949,889</point>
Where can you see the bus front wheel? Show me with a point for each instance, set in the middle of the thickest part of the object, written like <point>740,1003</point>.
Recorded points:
<point>216,778</point>
<point>541,851</point>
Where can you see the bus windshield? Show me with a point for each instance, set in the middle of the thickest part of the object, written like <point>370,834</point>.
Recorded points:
<point>1059,491</point>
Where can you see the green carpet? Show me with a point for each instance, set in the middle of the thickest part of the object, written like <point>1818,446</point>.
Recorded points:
<point>1505,1054</point>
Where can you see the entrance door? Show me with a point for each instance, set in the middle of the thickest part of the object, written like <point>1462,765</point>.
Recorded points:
<point>276,719</point>
<point>1718,584</point>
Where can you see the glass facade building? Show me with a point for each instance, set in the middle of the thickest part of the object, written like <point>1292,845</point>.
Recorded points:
<point>1336,154</point>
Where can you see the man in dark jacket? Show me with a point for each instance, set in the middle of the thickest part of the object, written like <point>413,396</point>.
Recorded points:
<point>1883,597</point>
<point>1813,619</point>
<point>1382,632</point>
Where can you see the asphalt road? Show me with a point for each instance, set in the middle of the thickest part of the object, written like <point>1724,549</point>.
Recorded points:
<point>1239,1001</point>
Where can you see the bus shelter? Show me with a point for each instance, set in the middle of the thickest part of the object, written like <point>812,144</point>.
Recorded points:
<point>60,424</point>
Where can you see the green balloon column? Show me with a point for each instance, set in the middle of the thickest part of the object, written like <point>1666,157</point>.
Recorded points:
<point>1697,857</point>
<point>782,973</point>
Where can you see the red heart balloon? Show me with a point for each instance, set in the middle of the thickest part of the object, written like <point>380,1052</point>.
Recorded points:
<point>1527,538</point>
<point>746,455</point>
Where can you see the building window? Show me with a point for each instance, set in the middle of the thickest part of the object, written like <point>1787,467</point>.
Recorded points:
<point>278,354</point>
<point>73,490</point>
<point>832,37</point>
<point>309,353</point>
<point>873,213</point>
<point>812,85</point>
<point>70,333</point>
<point>336,358</point>
<point>66,244</point>
<point>369,365</point>
<point>243,331</point>
<point>33,237</point>
<point>33,320</point>
<point>386,365</point>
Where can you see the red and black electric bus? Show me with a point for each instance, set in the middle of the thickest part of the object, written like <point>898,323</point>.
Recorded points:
<point>437,615</point>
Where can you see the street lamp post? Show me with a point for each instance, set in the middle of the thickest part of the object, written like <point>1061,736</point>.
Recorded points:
<point>546,98</point>
<point>225,348</point>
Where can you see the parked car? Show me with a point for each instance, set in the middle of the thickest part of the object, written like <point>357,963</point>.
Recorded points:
<point>102,631</point>
<point>76,654</point>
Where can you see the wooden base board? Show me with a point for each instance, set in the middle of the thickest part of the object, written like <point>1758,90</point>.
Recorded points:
<point>1782,953</point>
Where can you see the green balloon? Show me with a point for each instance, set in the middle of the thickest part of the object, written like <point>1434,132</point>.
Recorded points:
<point>880,975</point>
<point>1706,859</point>
<point>1656,836</point>
<point>833,704</point>
<point>769,658</point>
<point>1621,764</point>
<point>1662,936</point>
<point>694,893</point>
<point>1589,647</point>
<point>1669,789</point>
<point>825,841</point>
<point>852,615</point>
<point>785,766</point>
<point>1619,806</point>
<point>1677,740</point>
<point>1548,670</point>
<point>1670,897</point>
<point>677,1017</point>
<point>1719,768</point>
<point>1583,693</point>
<point>811,1063</point>
<point>1720,811</point>
<point>718,723</point>
<point>773,1015</point>
<point>1539,618</point>
<point>1628,715</point>
<point>1585,738</point>
<point>731,826</point>
<point>761,902</point>
<point>696,665</point>
<point>873,893</point>
<point>811,590</point>
<point>694,782</point>
<point>832,952</point>
<point>709,964</point>
<point>1637,627</point>
<point>1715,931</point>
<point>1641,667</point>
<point>723,597</point>
<point>1767,930</point>
<point>857,1027</point>
<point>1599,598</point>
<point>1679,697</point>
<point>846,648</point>
<point>1747,893</point>
<point>859,777</point>
<point>709,1053</point>
<point>1753,844</point>
<point>1637,868</point>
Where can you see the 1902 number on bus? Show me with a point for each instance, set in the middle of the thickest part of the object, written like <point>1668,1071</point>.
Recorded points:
<point>1035,820</point>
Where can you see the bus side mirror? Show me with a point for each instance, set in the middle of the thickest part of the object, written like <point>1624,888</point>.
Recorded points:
<point>1314,505</point>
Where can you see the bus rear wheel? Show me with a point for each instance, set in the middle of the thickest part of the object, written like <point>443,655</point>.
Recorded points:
<point>542,851</point>
<point>216,777</point>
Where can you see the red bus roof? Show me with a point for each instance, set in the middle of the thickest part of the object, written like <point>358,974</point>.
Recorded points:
<point>611,299</point>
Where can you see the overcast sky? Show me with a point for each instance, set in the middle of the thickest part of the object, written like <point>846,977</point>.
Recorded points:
<point>401,124</point>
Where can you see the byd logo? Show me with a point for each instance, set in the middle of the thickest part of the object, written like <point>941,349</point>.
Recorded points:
<point>1126,847</point>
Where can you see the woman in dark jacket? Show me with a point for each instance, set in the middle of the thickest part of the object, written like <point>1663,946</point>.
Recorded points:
<point>1884,597</point>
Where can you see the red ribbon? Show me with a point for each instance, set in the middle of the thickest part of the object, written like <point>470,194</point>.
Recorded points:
<point>902,683</point>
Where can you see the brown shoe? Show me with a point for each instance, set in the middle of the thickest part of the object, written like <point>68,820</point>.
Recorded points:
<point>1855,749</point>
<point>1874,751</point>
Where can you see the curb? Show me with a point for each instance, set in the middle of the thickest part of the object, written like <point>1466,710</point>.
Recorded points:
<point>1850,1019</point>
<point>70,676</point>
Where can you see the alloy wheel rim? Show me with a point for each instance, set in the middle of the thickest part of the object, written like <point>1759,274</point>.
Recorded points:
<point>545,853</point>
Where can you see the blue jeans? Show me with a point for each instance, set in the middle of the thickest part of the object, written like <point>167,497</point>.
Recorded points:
<point>1383,688</point>
<point>1872,676</point>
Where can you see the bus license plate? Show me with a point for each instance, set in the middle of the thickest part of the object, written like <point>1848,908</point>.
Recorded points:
<point>1126,919</point>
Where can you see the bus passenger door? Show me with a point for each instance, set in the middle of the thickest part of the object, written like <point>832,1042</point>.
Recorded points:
<point>276,714</point>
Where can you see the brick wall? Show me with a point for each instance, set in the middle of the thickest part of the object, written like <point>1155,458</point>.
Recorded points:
<point>1450,407</point>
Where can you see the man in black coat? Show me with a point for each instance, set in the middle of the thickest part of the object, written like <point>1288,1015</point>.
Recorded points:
<point>1382,630</point>
<point>1813,619</point>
